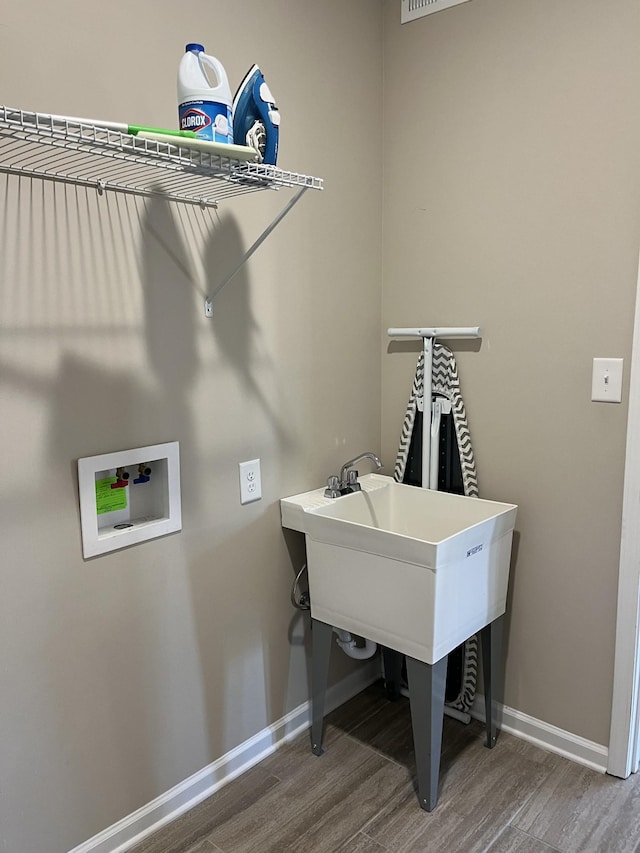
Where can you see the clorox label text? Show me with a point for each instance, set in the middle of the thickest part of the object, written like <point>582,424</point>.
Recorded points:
<point>194,120</point>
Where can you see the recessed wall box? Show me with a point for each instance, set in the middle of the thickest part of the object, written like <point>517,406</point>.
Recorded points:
<point>129,496</point>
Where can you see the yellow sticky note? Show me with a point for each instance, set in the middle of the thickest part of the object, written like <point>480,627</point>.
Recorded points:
<point>108,499</point>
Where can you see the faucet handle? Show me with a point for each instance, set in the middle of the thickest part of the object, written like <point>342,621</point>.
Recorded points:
<point>333,487</point>
<point>352,481</point>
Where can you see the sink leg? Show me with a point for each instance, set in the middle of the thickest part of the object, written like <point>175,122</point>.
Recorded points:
<point>320,654</point>
<point>491,642</point>
<point>392,673</point>
<point>427,685</point>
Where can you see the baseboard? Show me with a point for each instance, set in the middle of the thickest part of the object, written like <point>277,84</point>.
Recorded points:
<point>546,736</point>
<point>187,794</point>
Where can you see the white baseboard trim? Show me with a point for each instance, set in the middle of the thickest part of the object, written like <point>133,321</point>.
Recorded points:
<point>548,737</point>
<point>187,794</point>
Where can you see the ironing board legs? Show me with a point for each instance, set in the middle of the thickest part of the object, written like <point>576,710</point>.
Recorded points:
<point>491,642</point>
<point>320,654</point>
<point>427,685</point>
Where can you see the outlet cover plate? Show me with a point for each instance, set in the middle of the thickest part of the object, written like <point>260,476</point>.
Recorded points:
<point>250,481</point>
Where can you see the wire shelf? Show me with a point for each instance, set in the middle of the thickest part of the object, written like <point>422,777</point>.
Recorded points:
<point>63,149</point>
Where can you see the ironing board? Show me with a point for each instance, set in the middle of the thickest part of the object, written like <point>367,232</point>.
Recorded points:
<point>444,386</point>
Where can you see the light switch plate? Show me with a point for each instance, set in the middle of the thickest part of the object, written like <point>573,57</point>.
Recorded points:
<point>606,382</point>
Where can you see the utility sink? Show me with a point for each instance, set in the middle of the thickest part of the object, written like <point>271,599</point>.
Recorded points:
<point>416,570</point>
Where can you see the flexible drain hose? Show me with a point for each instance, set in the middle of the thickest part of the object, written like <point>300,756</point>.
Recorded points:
<point>300,600</point>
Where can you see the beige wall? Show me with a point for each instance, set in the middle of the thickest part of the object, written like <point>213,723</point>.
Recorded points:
<point>510,156</point>
<point>123,675</point>
<point>511,164</point>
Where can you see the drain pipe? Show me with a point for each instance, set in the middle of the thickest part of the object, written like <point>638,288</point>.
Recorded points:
<point>349,647</point>
<point>301,601</point>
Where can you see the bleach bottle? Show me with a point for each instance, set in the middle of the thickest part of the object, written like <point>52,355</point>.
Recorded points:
<point>204,108</point>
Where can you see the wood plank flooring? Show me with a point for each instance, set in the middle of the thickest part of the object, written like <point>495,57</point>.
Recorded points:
<point>360,797</point>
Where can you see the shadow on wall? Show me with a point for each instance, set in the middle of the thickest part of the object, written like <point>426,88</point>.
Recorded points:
<point>236,332</point>
<point>87,678</point>
<point>238,687</point>
<point>100,353</point>
<point>98,405</point>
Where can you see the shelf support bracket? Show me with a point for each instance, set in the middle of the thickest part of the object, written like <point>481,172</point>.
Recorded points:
<point>252,249</point>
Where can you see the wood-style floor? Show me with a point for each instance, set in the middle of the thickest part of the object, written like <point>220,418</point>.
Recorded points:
<point>359,797</point>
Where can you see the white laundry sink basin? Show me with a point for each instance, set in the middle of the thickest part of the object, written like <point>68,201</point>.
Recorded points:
<point>416,570</point>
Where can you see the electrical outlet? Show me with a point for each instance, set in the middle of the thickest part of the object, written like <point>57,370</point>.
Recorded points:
<point>250,481</point>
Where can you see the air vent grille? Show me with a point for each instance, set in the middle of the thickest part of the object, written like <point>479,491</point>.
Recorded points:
<point>412,9</point>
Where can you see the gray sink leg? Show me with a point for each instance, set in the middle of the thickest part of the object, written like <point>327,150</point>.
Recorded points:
<point>491,642</point>
<point>427,685</point>
<point>320,654</point>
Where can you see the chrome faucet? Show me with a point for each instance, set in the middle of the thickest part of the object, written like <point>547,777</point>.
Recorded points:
<point>347,482</point>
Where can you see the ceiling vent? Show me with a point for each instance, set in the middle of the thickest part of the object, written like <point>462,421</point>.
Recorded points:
<point>412,9</point>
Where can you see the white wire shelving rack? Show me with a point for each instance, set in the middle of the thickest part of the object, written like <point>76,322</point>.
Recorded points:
<point>63,149</point>
<point>72,151</point>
